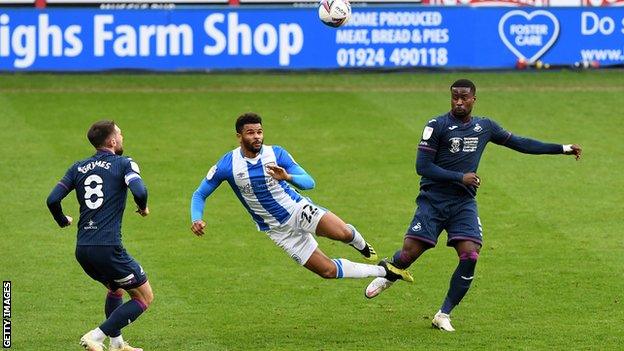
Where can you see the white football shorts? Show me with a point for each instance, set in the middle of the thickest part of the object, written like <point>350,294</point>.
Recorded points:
<point>295,236</point>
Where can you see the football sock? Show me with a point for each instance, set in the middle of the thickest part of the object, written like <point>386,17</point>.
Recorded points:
<point>348,269</point>
<point>358,241</point>
<point>401,260</point>
<point>112,302</point>
<point>117,341</point>
<point>98,335</point>
<point>122,316</point>
<point>460,281</point>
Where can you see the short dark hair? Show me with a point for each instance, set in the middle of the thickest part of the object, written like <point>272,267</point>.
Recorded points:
<point>100,131</point>
<point>247,118</point>
<point>465,83</point>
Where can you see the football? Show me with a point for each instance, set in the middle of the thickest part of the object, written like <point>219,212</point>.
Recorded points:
<point>334,13</point>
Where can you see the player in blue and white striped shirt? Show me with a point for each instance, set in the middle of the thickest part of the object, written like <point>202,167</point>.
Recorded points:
<point>261,177</point>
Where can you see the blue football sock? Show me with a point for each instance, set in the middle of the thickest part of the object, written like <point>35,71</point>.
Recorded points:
<point>460,281</point>
<point>121,317</point>
<point>112,302</point>
<point>401,260</point>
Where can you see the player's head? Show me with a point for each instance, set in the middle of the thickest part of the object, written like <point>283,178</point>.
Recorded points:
<point>249,132</point>
<point>106,135</point>
<point>463,96</point>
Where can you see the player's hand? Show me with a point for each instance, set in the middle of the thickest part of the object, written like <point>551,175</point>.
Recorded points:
<point>278,172</point>
<point>198,227</point>
<point>144,212</point>
<point>573,149</point>
<point>69,221</point>
<point>471,179</point>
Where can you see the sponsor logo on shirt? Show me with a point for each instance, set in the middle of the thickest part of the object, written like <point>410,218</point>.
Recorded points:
<point>452,127</point>
<point>90,225</point>
<point>470,144</point>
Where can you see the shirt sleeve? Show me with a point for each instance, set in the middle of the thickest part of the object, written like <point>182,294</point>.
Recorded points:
<point>132,177</point>
<point>216,175</point>
<point>425,157</point>
<point>498,134</point>
<point>521,144</point>
<point>131,172</point>
<point>426,167</point>
<point>429,138</point>
<point>300,178</point>
<point>60,191</point>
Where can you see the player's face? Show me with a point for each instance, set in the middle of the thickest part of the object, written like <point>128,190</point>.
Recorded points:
<point>462,100</point>
<point>251,137</point>
<point>117,141</point>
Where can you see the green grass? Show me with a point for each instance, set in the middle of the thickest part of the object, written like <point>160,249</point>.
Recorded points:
<point>549,276</point>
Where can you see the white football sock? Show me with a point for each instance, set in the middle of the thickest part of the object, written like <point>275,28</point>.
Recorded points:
<point>348,269</point>
<point>358,241</point>
<point>98,335</point>
<point>117,341</point>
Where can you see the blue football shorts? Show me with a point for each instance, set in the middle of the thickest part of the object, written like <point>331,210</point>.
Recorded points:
<point>452,211</point>
<point>111,266</point>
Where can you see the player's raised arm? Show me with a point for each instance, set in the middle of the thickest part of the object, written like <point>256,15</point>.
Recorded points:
<point>62,189</point>
<point>531,146</point>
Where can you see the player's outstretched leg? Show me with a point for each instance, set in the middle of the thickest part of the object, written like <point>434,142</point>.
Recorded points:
<point>459,285</point>
<point>332,227</point>
<point>338,268</point>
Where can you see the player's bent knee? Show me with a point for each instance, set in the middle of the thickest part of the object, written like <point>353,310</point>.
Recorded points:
<point>149,298</point>
<point>471,255</point>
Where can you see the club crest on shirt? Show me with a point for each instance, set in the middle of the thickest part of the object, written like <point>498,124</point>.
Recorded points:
<point>477,128</point>
<point>455,144</point>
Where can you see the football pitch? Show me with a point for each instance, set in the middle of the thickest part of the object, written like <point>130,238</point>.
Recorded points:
<point>550,271</point>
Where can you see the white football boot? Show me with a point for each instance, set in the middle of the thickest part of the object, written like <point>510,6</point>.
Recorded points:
<point>90,344</point>
<point>377,286</point>
<point>442,321</point>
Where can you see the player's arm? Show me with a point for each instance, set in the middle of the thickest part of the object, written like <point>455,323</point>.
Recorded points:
<point>198,202</point>
<point>213,179</point>
<point>289,170</point>
<point>505,138</point>
<point>426,167</point>
<point>425,159</point>
<point>137,187</point>
<point>60,191</point>
<point>295,175</point>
